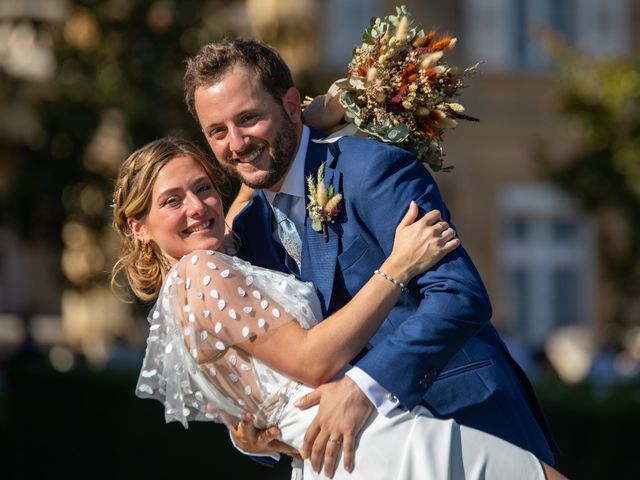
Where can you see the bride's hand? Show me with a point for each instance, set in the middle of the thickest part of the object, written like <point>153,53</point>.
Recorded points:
<point>252,440</point>
<point>325,112</point>
<point>419,244</point>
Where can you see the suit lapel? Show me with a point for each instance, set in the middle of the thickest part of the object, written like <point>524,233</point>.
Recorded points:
<point>319,257</point>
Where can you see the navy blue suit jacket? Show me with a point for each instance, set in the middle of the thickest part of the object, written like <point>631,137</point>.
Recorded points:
<point>437,347</point>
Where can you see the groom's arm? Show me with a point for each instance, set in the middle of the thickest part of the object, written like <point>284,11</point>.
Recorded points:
<point>454,306</point>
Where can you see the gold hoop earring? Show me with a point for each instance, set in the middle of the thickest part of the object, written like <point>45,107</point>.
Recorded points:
<point>147,252</point>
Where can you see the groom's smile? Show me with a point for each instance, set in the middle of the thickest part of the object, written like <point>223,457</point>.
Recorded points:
<point>254,137</point>
<point>248,159</point>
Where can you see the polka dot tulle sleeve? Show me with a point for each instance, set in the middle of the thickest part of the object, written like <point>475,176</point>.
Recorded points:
<point>209,305</point>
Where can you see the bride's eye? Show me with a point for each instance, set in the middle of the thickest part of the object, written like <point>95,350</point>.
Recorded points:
<point>171,201</point>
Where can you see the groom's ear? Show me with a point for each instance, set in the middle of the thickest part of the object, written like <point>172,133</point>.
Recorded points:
<point>291,105</point>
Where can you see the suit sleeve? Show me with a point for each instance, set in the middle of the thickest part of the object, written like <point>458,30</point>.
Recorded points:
<point>453,304</point>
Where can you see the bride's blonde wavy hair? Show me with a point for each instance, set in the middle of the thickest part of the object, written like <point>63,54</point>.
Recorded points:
<point>143,264</point>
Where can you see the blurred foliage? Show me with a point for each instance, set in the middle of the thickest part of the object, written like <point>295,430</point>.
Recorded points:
<point>118,85</point>
<point>94,424</point>
<point>602,99</point>
<point>595,427</point>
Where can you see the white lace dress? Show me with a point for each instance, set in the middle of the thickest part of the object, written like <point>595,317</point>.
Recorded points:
<point>211,303</point>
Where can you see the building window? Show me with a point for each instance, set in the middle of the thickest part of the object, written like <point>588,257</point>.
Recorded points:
<point>547,262</point>
<point>505,33</point>
<point>604,28</point>
<point>345,22</point>
<point>489,32</point>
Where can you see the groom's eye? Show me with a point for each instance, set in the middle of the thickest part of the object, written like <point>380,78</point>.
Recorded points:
<point>249,118</point>
<point>216,133</point>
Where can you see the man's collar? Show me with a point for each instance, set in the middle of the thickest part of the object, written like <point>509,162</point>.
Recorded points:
<point>294,181</point>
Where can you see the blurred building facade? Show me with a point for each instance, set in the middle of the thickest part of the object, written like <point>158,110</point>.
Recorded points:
<point>534,247</point>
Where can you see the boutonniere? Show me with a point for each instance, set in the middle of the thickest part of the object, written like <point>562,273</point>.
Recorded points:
<point>324,203</point>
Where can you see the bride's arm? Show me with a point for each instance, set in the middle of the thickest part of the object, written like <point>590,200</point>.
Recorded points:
<point>314,356</point>
<point>325,112</point>
<point>242,198</point>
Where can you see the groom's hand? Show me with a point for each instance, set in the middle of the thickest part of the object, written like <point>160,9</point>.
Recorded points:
<point>343,411</point>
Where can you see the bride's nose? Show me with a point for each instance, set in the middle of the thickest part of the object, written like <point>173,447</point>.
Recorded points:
<point>195,206</point>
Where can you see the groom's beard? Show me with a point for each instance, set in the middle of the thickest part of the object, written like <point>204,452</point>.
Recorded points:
<point>281,154</point>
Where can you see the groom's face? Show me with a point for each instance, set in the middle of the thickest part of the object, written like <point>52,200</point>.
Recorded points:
<point>253,137</point>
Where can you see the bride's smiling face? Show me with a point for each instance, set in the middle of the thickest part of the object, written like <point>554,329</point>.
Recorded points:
<point>186,211</point>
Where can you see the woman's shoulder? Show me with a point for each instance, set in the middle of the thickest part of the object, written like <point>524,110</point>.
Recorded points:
<point>207,258</point>
<point>205,264</point>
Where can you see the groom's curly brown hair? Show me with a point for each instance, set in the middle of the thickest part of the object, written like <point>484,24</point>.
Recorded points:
<point>215,59</point>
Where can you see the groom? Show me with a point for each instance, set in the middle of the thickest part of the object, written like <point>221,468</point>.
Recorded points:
<point>437,347</point>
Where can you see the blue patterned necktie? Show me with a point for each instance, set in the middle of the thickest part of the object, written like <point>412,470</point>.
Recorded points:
<point>287,229</point>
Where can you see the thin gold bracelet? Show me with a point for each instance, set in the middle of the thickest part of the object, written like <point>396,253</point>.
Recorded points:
<point>402,286</point>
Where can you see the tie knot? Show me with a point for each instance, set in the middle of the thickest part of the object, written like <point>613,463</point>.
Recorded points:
<point>283,201</point>
<point>282,204</point>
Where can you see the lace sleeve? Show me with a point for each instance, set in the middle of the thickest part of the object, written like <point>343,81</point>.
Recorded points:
<point>221,301</point>
<point>210,303</point>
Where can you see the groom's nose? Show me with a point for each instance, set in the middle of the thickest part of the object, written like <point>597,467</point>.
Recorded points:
<point>237,139</point>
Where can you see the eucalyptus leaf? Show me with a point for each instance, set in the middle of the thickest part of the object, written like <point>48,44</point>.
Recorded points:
<point>343,83</point>
<point>316,225</point>
<point>348,99</point>
<point>398,133</point>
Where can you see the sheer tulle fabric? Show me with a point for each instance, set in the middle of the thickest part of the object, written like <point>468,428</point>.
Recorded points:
<point>209,304</point>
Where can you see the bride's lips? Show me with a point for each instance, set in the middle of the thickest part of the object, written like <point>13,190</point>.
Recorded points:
<point>199,227</point>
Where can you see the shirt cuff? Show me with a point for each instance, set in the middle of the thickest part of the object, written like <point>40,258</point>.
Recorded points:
<point>384,401</point>
<point>274,455</point>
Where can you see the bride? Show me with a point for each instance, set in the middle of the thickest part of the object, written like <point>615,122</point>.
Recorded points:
<point>228,339</point>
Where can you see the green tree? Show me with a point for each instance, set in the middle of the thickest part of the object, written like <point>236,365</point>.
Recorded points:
<point>117,86</point>
<point>602,99</point>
